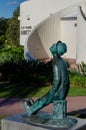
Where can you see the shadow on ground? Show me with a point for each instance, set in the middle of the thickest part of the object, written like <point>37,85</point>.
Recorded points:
<point>6,101</point>
<point>79,113</point>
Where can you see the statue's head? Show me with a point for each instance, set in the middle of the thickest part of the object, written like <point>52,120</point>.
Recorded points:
<point>58,48</point>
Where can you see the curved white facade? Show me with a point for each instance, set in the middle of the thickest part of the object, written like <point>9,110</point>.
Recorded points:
<point>43,22</point>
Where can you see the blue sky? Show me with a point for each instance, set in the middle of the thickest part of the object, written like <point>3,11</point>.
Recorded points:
<point>7,7</point>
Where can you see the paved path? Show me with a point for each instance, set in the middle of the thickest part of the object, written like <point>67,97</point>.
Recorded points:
<point>11,106</point>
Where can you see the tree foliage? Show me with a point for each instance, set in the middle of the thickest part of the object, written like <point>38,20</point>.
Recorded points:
<point>12,33</point>
<point>3,25</point>
<point>3,28</point>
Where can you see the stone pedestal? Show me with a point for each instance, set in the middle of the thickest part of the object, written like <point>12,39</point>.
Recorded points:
<point>17,122</point>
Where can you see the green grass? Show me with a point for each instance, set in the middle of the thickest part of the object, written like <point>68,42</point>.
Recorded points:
<point>22,90</point>
<point>27,90</point>
<point>77,91</point>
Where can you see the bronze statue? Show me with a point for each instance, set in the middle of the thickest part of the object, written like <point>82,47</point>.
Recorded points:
<point>60,85</point>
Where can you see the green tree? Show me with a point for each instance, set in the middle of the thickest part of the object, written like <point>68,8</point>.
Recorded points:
<point>3,28</point>
<point>12,33</point>
<point>3,25</point>
<point>2,39</point>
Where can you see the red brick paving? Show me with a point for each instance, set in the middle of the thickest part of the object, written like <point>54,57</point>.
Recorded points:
<point>14,105</point>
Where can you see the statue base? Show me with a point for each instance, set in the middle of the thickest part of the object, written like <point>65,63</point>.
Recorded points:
<point>22,122</point>
<point>46,119</point>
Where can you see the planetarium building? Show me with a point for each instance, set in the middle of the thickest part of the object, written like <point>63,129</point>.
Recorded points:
<point>44,22</point>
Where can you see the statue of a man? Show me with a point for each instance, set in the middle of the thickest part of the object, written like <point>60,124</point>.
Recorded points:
<point>60,85</point>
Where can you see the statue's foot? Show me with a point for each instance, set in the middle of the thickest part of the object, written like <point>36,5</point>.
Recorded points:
<point>27,103</point>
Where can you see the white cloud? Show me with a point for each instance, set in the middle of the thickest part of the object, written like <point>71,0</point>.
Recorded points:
<point>12,2</point>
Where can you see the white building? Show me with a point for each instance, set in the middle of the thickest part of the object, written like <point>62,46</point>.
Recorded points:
<point>44,22</point>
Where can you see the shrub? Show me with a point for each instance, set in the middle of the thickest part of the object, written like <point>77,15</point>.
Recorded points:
<point>77,79</point>
<point>14,68</point>
<point>82,68</point>
<point>9,58</point>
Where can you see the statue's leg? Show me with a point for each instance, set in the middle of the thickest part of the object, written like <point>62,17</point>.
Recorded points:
<point>38,104</point>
